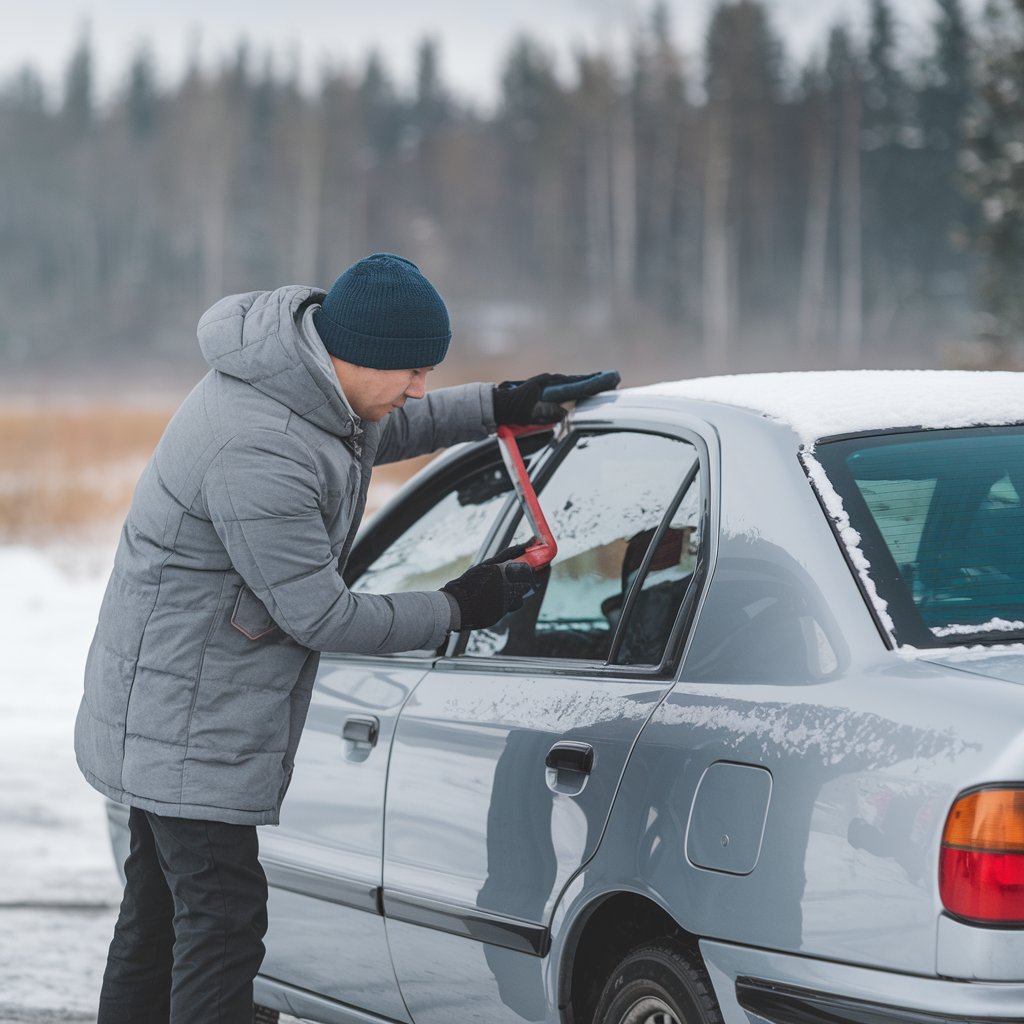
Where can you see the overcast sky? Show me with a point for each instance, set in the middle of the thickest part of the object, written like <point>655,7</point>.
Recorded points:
<point>474,34</point>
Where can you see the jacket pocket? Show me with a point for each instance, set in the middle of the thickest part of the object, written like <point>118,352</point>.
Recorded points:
<point>250,616</point>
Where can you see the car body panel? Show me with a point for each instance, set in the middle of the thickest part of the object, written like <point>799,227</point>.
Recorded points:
<point>478,824</point>
<point>810,711</point>
<point>308,1005</point>
<point>978,954</point>
<point>995,664</point>
<point>848,863</point>
<point>454,979</point>
<point>924,1000</point>
<point>324,865</point>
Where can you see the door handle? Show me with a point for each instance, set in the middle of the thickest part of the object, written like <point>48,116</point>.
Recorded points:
<point>571,756</point>
<point>361,729</point>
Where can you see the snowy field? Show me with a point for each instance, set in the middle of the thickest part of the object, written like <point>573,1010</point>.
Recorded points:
<point>58,887</point>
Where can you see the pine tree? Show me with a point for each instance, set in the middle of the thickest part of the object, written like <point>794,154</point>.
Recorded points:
<point>431,113</point>
<point>820,153</point>
<point>78,87</point>
<point>993,165</point>
<point>83,259</point>
<point>941,210</point>
<point>660,117</point>
<point>30,234</point>
<point>432,106</point>
<point>142,99</point>
<point>381,108</point>
<point>889,137</point>
<point>529,124</point>
<point>743,60</point>
<point>605,215</point>
<point>846,82</point>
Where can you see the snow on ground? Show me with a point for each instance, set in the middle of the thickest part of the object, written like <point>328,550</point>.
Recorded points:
<point>59,890</point>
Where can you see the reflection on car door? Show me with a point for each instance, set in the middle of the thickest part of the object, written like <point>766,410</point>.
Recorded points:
<point>324,860</point>
<point>506,758</point>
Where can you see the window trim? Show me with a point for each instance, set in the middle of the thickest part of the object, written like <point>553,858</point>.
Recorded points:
<point>636,587</point>
<point>456,659</point>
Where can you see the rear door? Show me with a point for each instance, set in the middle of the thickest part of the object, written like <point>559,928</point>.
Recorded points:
<point>508,753</point>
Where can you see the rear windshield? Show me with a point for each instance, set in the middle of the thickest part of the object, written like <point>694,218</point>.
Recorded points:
<point>941,525</point>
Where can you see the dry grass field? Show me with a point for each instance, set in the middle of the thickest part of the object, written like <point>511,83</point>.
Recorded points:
<point>67,471</point>
<point>70,472</point>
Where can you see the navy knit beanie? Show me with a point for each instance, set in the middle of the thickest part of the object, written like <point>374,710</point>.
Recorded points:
<point>383,313</point>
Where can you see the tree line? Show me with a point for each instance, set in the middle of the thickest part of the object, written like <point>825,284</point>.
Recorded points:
<point>866,206</point>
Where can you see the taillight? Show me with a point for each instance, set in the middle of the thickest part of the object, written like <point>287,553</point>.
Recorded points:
<point>981,869</point>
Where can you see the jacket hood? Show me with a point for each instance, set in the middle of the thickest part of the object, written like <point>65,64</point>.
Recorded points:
<point>259,337</point>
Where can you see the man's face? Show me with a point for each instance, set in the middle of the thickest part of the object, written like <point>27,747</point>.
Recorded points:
<point>374,393</point>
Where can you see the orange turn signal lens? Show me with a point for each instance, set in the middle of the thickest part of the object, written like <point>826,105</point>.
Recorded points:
<point>989,819</point>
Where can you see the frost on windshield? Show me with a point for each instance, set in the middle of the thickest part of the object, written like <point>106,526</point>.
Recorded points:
<point>442,543</point>
<point>604,503</point>
<point>611,488</point>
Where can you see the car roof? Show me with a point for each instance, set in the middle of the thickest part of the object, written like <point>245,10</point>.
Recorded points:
<point>826,403</point>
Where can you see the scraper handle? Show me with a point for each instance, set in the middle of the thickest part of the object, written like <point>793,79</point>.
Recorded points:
<point>543,549</point>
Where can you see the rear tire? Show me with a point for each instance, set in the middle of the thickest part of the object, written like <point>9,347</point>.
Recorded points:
<point>658,983</point>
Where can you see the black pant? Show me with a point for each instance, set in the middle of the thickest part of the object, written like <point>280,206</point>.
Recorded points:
<point>189,938</point>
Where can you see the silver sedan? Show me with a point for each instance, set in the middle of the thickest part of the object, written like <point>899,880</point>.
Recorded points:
<point>752,753</point>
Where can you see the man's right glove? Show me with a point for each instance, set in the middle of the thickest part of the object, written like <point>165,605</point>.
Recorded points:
<point>485,593</point>
<point>537,400</point>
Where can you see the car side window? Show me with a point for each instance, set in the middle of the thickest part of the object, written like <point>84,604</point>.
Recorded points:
<point>660,589</point>
<point>624,509</point>
<point>443,537</point>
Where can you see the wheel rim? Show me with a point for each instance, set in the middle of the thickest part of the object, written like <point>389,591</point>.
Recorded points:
<point>650,1010</point>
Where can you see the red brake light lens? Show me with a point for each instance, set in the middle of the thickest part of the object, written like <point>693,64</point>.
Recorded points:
<point>981,868</point>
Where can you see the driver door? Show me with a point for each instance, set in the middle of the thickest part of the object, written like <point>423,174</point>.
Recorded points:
<point>323,862</point>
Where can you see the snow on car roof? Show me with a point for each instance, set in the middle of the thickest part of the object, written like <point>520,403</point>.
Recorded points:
<point>821,403</point>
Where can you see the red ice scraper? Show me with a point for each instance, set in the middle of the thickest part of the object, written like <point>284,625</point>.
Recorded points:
<point>543,548</point>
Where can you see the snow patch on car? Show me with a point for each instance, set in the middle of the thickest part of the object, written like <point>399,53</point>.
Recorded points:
<point>965,653</point>
<point>827,734</point>
<point>824,403</point>
<point>850,538</point>
<point>992,626</point>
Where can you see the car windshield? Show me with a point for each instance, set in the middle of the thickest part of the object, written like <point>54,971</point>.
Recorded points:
<point>941,524</point>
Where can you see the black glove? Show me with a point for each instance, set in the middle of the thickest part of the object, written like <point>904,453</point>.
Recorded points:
<point>537,400</point>
<point>487,592</point>
<point>519,401</point>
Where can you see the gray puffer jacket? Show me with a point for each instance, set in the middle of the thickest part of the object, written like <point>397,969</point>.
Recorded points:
<point>227,580</point>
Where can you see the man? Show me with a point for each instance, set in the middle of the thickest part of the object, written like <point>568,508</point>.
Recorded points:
<point>226,586</point>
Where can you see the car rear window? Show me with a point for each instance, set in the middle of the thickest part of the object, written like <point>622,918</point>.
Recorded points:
<point>941,525</point>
